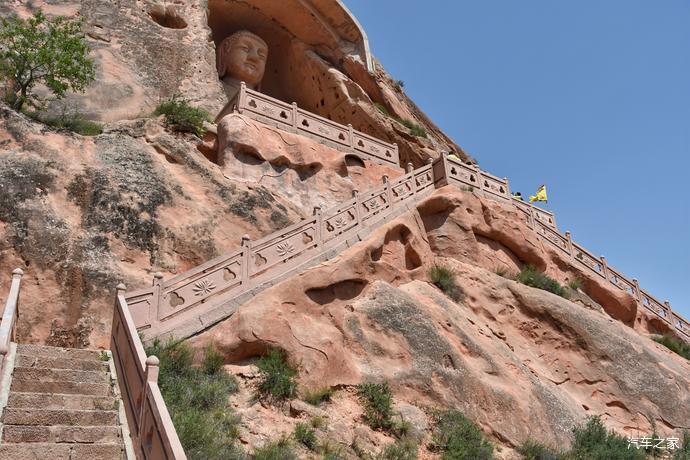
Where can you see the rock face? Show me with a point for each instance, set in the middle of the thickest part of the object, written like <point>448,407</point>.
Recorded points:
<point>146,50</point>
<point>82,214</point>
<point>503,348</point>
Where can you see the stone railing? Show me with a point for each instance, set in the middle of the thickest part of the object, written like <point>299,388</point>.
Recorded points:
<point>544,223</point>
<point>464,175</point>
<point>9,320</point>
<point>289,117</point>
<point>198,298</point>
<point>151,429</point>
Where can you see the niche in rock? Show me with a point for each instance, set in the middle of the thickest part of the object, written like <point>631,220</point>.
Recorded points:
<point>354,161</point>
<point>307,42</point>
<point>167,17</point>
<point>343,290</point>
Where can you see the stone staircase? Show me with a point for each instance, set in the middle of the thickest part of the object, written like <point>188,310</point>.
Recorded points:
<point>62,404</point>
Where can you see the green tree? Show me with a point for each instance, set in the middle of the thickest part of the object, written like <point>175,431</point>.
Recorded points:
<point>52,52</point>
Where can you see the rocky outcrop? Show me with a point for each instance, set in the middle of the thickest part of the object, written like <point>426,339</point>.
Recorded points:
<point>147,50</point>
<point>503,348</point>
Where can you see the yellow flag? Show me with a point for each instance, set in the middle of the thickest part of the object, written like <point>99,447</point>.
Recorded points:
<point>540,196</point>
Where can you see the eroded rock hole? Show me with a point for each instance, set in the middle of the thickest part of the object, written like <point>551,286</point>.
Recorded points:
<point>167,17</point>
<point>354,160</point>
<point>343,290</point>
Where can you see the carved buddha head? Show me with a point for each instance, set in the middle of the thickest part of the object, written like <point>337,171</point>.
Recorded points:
<point>242,57</point>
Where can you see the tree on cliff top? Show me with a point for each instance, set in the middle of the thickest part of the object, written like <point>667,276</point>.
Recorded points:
<point>37,50</point>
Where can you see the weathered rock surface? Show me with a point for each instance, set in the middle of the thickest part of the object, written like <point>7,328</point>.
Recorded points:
<point>82,214</point>
<point>519,361</point>
<point>146,50</point>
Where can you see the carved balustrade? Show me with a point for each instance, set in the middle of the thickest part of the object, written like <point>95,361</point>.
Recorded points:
<point>188,295</point>
<point>151,428</point>
<point>291,118</point>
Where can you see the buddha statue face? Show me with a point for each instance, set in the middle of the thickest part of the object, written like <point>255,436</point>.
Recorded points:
<point>242,57</point>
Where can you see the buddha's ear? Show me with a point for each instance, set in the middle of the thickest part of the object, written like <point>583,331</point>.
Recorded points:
<point>220,57</point>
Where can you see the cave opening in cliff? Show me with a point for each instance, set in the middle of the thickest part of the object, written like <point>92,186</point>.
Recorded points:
<point>304,44</point>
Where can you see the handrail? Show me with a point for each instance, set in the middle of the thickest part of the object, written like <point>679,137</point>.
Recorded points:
<point>151,428</point>
<point>9,318</point>
<point>289,117</point>
<point>188,298</point>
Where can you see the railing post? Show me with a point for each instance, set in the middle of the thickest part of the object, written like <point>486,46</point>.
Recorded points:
<point>570,243</point>
<point>17,274</point>
<point>605,268</point>
<point>150,376</point>
<point>294,117</point>
<point>242,97</point>
<point>358,213</point>
<point>157,296</point>
<point>508,195</point>
<point>480,179</point>
<point>319,225</point>
<point>409,168</point>
<point>9,316</point>
<point>389,193</point>
<point>246,260</point>
<point>351,132</point>
<point>669,312</point>
<point>638,294</point>
<point>532,218</point>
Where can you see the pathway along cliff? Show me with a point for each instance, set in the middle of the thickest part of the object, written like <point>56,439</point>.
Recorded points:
<point>81,214</point>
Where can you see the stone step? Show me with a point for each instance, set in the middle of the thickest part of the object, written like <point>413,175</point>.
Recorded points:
<point>61,401</point>
<point>60,363</point>
<point>61,434</point>
<point>21,416</point>
<point>47,451</point>
<point>80,388</point>
<point>60,375</point>
<point>41,351</point>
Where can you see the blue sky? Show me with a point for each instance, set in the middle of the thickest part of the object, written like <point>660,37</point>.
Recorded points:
<point>590,97</point>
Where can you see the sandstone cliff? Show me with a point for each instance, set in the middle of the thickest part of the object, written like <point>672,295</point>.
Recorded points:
<point>80,215</point>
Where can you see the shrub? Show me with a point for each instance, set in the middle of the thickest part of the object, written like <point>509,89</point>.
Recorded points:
<point>181,116</point>
<point>331,450</point>
<point>457,438</point>
<point>277,377</point>
<point>530,276</point>
<point>382,108</point>
<point>676,345</point>
<point>414,128</point>
<point>197,401</point>
<point>52,52</point>
<point>575,284</point>
<point>401,428</point>
<point>75,123</point>
<point>533,450</point>
<point>378,404</point>
<point>305,436</point>
<point>402,449</point>
<point>594,442</point>
<point>444,279</point>
<point>501,271</point>
<point>684,452</point>
<point>278,450</point>
<point>317,422</point>
<point>318,396</point>
<point>213,361</point>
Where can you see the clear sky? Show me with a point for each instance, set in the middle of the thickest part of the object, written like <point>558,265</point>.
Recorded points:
<point>590,97</point>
